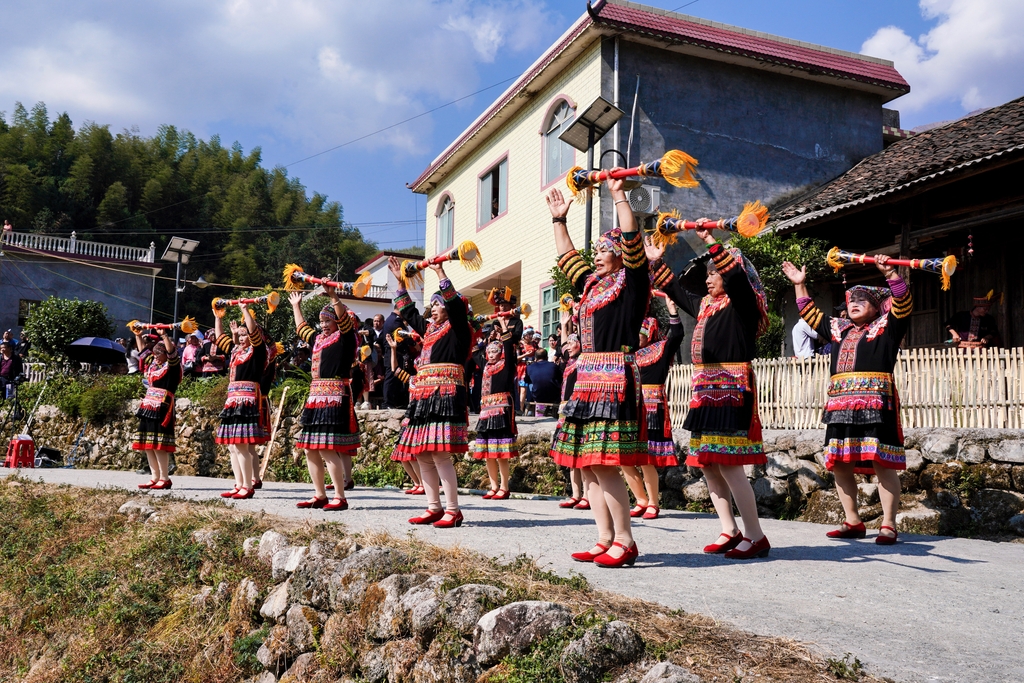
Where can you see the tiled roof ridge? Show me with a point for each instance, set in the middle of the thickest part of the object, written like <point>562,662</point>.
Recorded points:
<point>749,32</point>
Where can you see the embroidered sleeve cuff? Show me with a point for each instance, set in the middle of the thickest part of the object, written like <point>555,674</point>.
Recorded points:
<point>633,254</point>
<point>673,320</point>
<point>898,287</point>
<point>402,300</point>
<point>902,306</point>
<point>661,275</point>
<point>724,261</point>
<point>811,314</point>
<point>305,332</point>
<point>802,301</point>
<point>224,343</point>
<point>448,292</point>
<point>573,265</point>
<point>345,323</point>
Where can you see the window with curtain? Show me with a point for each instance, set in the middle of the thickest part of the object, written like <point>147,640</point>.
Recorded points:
<point>558,156</point>
<point>493,193</point>
<point>445,224</point>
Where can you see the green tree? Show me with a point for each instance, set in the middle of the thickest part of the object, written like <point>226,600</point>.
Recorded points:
<point>54,323</point>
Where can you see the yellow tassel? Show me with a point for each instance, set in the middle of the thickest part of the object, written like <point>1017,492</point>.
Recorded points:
<point>578,193</point>
<point>470,256</point>
<point>134,326</point>
<point>678,168</point>
<point>289,284</point>
<point>566,303</point>
<point>752,219</point>
<point>218,310</point>
<point>948,268</point>
<point>832,259</point>
<point>280,347</point>
<point>273,301</point>
<point>411,281</point>
<point>188,325</point>
<point>526,310</point>
<point>362,285</point>
<point>661,236</point>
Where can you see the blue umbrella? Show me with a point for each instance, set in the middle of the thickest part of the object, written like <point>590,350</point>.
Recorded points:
<point>96,350</point>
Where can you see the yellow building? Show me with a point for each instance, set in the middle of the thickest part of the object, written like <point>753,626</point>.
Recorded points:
<point>712,90</point>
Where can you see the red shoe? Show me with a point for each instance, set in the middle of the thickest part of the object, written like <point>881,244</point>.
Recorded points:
<point>257,483</point>
<point>337,504</point>
<point>848,531</point>
<point>887,540</point>
<point>587,556</point>
<point>428,517</point>
<point>569,503</point>
<point>584,504</point>
<point>148,485</point>
<point>490,494</point>
<point>350,484</point>
<point>248,493</point>
<point>502,494</point>
<point>652,515</point>
<point>412,491</point>
<point>638,510</point>
<point>330,487</point>
<point>724,547</point>
<point>313,502</point>
<point>759,549</point>
<point>161,485</point>
<point>449,519</point>
<point>230,494</point>
<point>420,491</point>
<point>627,557</point>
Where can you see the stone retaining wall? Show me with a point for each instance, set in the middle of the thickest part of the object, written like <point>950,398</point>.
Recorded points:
<point>958,481</point>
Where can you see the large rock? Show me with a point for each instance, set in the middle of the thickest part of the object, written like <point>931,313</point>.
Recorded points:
<point>373,666</point>
<point>823,507</point>
<point>667,672</point>
<point>970,451</point>
<point>243,600</point>
<point>915,461</point>
<point>1016,524</point>
<point>302,622</point>
<point>781,465</point>
<point>340,585</point>
<point>601,649</point>
<point>770,491</point>
<point>287,560</point>
<point>388,618</point>
<point>276,604</point>
<point>939,445</point>
<point>806,448</point>
<point>136,510</point>
<point>277,652</point>
<point>697,492</point>
<point>270,543</point>
<point>919,520</point>
<point>462,607</point>
<point>400,656</point>
<point>993,508</point>
<point>447,662</point>
<point>1007,450</point>
<point>514,628</point>
<point>301,670</point>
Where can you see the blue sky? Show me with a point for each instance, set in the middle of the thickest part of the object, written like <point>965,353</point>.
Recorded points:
<point>299,77</point>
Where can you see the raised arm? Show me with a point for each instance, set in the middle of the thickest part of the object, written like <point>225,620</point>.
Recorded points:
<point>676,334</point>
<point>902,301</point>
<point>809,312</point>
<point>559,209</point>
<point>458,314</point>
<point>403,302</point>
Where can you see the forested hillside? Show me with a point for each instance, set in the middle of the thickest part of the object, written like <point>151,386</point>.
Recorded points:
<point>126,188</point>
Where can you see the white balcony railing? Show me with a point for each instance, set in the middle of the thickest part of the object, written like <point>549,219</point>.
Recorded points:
<point>72,245</point>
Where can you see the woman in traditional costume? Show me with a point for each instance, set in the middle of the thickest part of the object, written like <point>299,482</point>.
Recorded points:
<point>496,431</point>
<point>404,376</point>
<point>863,433</point>
<point>438,415</point>
<point>155,436</point>
<point>330,432</point>
<point>603,425</point>
<point>654,358</point>
<point>724,426</point>
<point>243,422</point>
<point>571,346</point>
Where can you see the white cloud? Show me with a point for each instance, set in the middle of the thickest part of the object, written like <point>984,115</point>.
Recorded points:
<point>311,71</point>
<point>974,55</point>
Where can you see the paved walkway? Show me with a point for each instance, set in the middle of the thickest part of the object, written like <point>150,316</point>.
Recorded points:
<point>928,609</point>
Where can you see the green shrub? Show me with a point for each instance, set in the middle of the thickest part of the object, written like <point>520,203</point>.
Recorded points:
<point>208,392</point>
<point>298,392</point>
<point>54,323</point>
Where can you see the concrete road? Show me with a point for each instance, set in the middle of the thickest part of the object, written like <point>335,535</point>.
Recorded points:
<point>927,609</point>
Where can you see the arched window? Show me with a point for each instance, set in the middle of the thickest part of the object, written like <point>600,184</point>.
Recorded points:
<point>445,223</point>
<point>558,156</point>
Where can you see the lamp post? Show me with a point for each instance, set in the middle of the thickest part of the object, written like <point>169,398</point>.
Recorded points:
<point>178,251</point>
<point>588,128</point>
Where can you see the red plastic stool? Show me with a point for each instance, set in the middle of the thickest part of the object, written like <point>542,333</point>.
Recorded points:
<point>21,452</point>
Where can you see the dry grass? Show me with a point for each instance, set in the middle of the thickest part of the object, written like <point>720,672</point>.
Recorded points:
<point>86,595</point>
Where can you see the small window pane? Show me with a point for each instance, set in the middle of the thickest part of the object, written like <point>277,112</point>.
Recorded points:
<point>502,181</point>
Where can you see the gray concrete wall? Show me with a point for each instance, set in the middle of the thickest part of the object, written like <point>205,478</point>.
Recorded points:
<point>127,296</point>
<point>757,135</point>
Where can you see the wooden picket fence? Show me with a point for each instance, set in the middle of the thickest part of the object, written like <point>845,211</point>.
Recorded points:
<point>937,388</point>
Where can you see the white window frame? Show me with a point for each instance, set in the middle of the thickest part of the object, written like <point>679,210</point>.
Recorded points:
<point>487,193</point>
<point>560,118</point>
<point>445,216</point>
